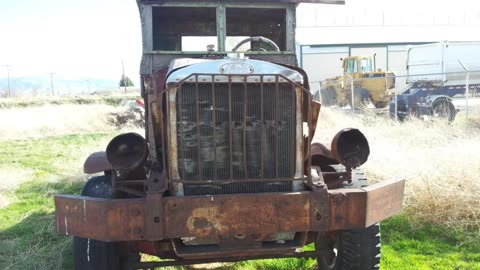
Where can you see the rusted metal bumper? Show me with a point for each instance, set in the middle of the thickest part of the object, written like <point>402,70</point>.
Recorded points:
<point>156,218</point>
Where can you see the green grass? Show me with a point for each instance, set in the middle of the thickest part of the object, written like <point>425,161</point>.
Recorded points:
<point>423,246</point>
<point>28,239</point>
<point>27,233</point>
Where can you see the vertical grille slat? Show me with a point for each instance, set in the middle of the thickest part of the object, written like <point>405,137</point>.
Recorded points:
<point>230,140</point>
<point>214,129</point>
<point>262,128</point>
<point>233,131</point>
<point>181,146</point>
<point>199,133</point>
<point>244,128</point>
<point>276,125</point>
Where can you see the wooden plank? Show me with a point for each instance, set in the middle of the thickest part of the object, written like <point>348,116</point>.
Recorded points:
<point>221,27</point>
<point>384,200</point>
<point>147,26</point>
<point>291,24</point>
<point>361,208</point>
<point>347,209</point>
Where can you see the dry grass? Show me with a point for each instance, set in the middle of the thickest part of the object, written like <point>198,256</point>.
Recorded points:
<point>23,123</point>
<point>54,120</point>
<point>440,162</point>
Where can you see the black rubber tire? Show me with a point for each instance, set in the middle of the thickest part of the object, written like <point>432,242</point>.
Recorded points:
<point>328,97</point>
<point>381,104</point>
<point>361,97</point>
<point>444,109</point>
<point>97,255</point>
<point>356,249</point>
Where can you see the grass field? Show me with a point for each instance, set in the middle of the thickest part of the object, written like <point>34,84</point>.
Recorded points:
<point>438,230</point>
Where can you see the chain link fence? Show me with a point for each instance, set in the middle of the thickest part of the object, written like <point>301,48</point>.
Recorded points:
<point>447,96</point>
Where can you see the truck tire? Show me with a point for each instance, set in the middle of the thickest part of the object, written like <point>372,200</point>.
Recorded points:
<point>329,96</point>
<point>90,254</point>
<point>381,104</point>
<point>444,109</point>
<point>361,97</point>
<point>355,249</point>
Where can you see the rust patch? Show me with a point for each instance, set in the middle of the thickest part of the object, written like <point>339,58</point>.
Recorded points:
<point>214,216</point>
<point>100,219</point>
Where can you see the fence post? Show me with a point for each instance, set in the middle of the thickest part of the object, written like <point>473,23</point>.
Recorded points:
<point>320,93</point>
<point>467,87</point>
<point>394,92</point>
<point>353,95</point>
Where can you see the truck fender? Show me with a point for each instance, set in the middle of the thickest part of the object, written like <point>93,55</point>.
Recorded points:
<point>97,162</point>
<point>436,98</point>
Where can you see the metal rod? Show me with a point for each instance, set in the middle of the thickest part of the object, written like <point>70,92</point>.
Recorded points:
<point>199,146</point>
<point>237,180</point>
<point>396,104</point>
<point>309,145</point>
<point>262,128</point>
<point>245,126</point>
<point>467,93</point>
<point>467,86</point>
<point>352,93</point>
<point>179,116</point>
<point>51,83</point>
<point>214,125</point>
<point>276,128</point>
<point>230,125</point>
<point>163,132</point>
<point>150,265</point>
<point>294,137</point>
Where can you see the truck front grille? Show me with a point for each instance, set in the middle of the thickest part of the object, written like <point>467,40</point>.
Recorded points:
<point>234,132</point>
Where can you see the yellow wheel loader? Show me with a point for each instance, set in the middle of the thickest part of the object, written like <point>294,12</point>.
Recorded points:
<point>368,84</point>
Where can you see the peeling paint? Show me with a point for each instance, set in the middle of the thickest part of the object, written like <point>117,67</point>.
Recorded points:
<point>88,250</point>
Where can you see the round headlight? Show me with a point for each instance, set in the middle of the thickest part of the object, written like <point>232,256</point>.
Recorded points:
<point>127,151</point>
<point>350,147</point>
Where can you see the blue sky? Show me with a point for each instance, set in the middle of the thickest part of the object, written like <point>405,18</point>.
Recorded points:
<point>87,38</point>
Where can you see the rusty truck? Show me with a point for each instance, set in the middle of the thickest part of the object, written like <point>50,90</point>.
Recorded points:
<point>228,169</point>
<point>369,84</point>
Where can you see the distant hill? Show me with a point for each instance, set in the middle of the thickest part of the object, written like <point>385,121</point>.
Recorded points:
<point>40,85</point>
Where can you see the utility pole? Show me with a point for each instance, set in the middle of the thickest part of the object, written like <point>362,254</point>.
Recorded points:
<point>51,83</point>
<point>9,93</point>
<point>88,86</point>
<point>124,79</point>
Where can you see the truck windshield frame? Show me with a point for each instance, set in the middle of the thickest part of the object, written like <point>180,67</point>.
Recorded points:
<point>190,29</point>
<point>176,28</point>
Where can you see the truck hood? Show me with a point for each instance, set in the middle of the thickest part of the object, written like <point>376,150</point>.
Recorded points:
<point>183,69</point>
